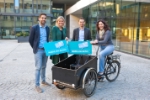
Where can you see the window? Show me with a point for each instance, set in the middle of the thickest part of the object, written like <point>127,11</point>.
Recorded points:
<point>9,6</point>
<point>46,6</point>
<point>1,5</point>
<point>5,17</point>
<point>28,6</point>
<point>18,18</point>
<point>11,18</point>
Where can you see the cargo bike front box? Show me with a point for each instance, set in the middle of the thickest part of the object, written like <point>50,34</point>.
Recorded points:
<point>82,77</point>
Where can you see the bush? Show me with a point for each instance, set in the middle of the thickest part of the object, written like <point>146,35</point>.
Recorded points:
<point>18,34</point>
<point>4,33</point>
<point>22,34</point>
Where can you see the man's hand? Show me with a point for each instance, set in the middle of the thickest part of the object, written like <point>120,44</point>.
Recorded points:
<point>96,41</point>
<point>66,38</point>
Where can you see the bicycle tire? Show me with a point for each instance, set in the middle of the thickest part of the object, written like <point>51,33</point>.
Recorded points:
<point>111,70</point>
<point>90,83</point>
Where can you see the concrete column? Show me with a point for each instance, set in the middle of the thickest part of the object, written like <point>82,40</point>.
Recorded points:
<point>73,24</point>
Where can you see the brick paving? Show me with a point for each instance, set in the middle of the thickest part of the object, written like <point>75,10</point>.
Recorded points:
<point>17,78</point>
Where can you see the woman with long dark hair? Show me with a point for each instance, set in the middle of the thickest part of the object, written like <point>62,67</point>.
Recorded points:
<point>103,38</point>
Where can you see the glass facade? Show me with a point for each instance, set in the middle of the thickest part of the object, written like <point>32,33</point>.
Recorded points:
<point>129,21</point>
<point>57,10</point>
<point>19,15</point>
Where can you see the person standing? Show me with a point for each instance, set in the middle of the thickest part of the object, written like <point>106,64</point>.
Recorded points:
<point>59,33</point>
<point>82,33</point>
<point>39,34</point>
<point>104,40</point>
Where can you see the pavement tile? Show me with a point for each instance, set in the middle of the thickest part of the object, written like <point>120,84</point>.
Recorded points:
<point>17,72</point>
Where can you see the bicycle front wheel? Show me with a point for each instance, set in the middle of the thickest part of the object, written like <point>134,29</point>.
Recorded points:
<point>90,83</point>
<point>112,71</point>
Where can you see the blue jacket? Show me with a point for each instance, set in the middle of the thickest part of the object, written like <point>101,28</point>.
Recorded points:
<point>34,37</point>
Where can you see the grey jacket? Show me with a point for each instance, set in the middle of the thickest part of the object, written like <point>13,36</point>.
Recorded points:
<point>107,38</point>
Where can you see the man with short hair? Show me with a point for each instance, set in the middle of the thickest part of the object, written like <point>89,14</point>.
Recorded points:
<point>82,33</point>
<point>39,35</point>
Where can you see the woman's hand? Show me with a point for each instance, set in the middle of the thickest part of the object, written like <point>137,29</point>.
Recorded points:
<point>94,42</point>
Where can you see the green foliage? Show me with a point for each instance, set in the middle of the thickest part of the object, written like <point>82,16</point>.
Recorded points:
<point>22,34</point>
<point>3,33</point>
<point>18,34</point>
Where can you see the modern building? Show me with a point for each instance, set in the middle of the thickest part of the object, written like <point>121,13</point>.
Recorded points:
<point>129,21</point>
<point>19,15</point>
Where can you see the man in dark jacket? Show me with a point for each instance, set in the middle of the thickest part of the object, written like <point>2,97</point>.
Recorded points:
<point>82,33</point>
<point>39,34</point>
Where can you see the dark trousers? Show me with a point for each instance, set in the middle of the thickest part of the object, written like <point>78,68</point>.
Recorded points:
<point>61,57</point>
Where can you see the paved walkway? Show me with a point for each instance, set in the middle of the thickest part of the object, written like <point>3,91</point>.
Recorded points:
<point>17,78</point>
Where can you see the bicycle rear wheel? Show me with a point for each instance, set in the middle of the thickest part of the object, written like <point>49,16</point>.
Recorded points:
<point>112,71</point>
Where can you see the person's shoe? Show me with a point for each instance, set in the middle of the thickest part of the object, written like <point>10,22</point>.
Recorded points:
<point>38,89</point>
<point>100,75</point>
<point>45,83</point>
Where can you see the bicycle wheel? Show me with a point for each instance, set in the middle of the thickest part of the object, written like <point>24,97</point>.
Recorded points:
<point>90,82</point>
<point>112,71</point>
<point>60,86</point>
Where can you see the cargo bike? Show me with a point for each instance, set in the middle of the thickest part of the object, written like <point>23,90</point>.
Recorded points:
<point>80,72</point>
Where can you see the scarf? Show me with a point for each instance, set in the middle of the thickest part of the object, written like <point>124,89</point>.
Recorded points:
<point>101,32</point>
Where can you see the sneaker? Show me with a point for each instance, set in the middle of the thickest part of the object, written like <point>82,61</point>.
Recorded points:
<point>45,83</point>
<point>38,89</point>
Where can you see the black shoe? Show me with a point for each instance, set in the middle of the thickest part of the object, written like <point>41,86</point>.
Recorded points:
<point>99,75</point>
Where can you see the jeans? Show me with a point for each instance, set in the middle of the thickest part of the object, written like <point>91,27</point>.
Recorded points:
<point>105,50</point>
<point>40,64</point>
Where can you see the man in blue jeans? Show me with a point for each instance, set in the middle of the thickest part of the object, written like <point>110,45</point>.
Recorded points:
<point>39,34</point>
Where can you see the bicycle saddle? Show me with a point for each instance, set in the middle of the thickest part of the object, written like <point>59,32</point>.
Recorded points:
<point>111,53</point>
<point>109,56</point>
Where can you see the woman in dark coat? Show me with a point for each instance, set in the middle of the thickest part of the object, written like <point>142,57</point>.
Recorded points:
<point>59,33</point>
